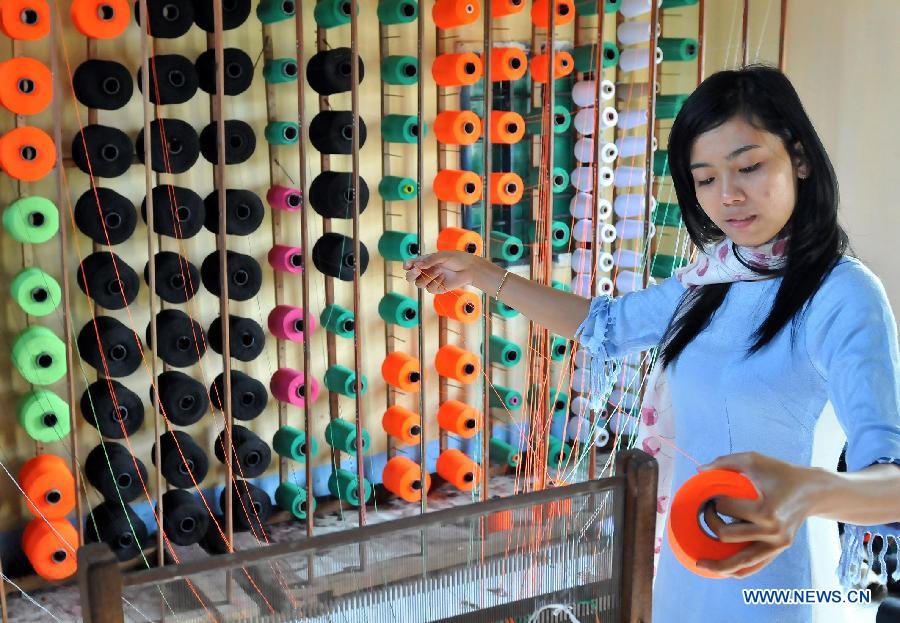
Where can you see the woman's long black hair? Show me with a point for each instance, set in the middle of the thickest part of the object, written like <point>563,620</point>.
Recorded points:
<point>765,98</point>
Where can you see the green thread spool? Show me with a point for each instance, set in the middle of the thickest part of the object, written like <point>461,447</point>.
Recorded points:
<point>292,498</point>
<point>554,448</point>
<point>558,347</point>
<point>502,453</point>
<point>398,246</point>
<point>44,416</point>
<point>396,188</point>
<point>400,310</point>
<point>392,12</point>
<point>504,352</point>
<point>36,292</point>
<point>585,56</point>
<point>505,398</point>
<point>559,234</point>
<point>589,7</point>
<point>661,163</point>
<point>562,119</point>
<point>337,320</point>
<point>506,247</point>
<point>341,434</point>
<point>663,266</point>
<point>678,48</point>
<point>280,70</point>
<point>282,132</point>
<point>558,399</point>
<point>344,485</point>
<point>559,285</point>
<point>31,220</point>
<point>39,356</point>
<point>342,380</point>
<point>673,4</point>
<point>667,106</point>
<point>401,129</point>
<point>559,177</point>
<point>667,215</point>
<point>331,13</point>
<point>290,443</point>
<point>400,70</point>
<point>271,11</point>
<point>502,309</point>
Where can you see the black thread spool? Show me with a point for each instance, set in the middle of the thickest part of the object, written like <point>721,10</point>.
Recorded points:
<point>250,456</point>
<point>240,142</point>
<point>111,411</point>
<point>331,194</point>
<point>244,212</point>
<point>238,68</point>
<point>333,255</point>
<point>118,476</point>
<point>173,79</point>
<point>246,337</point>
<point>168,19</point>
<point>251,507</point>
<point>115,217</point>
<point>177,211</point>
<point>185,519</point>
<point>181,339</point>
<point>182,461</point>
<point>108,279</point>
<point>328,72</point>
<point>213,542</point>
<point>244,275</point>
<point>102,84</point>
<point>109,150</point>
<point>183,399</point>
<point>120,346</point>
<point>177,280</point>
<point>248,395</point>
<point>331,132</point>
<point>182,146</point>
<point>234,13</point>
<point>118,526</point>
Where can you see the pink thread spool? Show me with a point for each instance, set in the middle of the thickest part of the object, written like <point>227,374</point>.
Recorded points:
<point>287,322</point>
<point>284,198</point>
<point>286,259</point>
<point>288,385</point>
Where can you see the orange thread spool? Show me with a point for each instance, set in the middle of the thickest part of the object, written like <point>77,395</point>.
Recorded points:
<point>401,371</point>
<point>459,239</point>
<point>27,153</point>
<point>100,19</point>
<point>551,510</point>
<point>563,65</point>
<point>457,70</point>
<point>459,418</point>
<point>459,186</point>
<point>508,64</point>
<point>502,8</point>
<point>26,85</point>
<point>507,127</point>
<point>540,11</point>
<point>458,469</point>
<point>506,188</point>
<point>452,13</point>
<point>688,539</point>
<point>501,521</point>
<point>50,548</point>
<point>48,485</point>
<point>460,305</point>
<point>457,127</point>
<point>402,424</point>
<point>403,477</point>
<point>26,20</point>
<point>454,362</point>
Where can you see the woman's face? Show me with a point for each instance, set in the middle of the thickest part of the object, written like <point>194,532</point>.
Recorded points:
<point>745,181</point>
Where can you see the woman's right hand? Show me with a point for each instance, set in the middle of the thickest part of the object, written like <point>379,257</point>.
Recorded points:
<point>442,271</point>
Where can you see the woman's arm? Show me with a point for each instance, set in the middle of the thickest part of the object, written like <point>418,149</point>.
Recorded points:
<point>867,497</point>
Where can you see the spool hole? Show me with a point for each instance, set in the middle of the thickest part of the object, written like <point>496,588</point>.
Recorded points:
<point>177,281</point>
<point>170,12</point>
<point>59,556</point>
<point>122,414</point>
<point>182,213</point>
<point>412,248</point>
<point>53,496</point>
<point>469,308</point>
<point>513,249</point>
<point>290,69</point>
<point>409,313</point>
<point>123,481</point>
<point>186,467</point>
<point>183,343</point>
<point>512,128</point>
<point>187,402</point>
<point>408,9</point>
<point>559,405</point>
<point>240,277</point>
<point>288,7</point>
<point>105,12</point>
<point>344,69</point>
<point>513,400</point>
<point>49,420</point>
<point>39,295</point>
<point>301,391</point>
<point>471,247</point>
<point>247,399</point>
<point>26,85</point>
<point>247,340</point>
<point>350,260</point>
<point>242,211</point>
<point>562,9</point>
<point>468,477</point>
<point>470,188</point>
<point>29,17</point>
<point>515,62</point>
<point>290,133</point>
<point>298,325</point>
<point>471,423</point>
<point>559,119</point>
<point>253,459</point>
<point>410,70</point>
<point>414,377</point>
<point>109,152</point>
<point>28,152</point>
<point>125,540</point>
<point>415,430</point>
<point>416,485</point>
<point>176,78</point>
<point>414,129</point>
<point>235,141</point>
<point>469,368</point>
<point>45,360</point>
<point>187,524</point>
<point>296,260</point>
<point>112,220</point>
<point>347,132</point>
<point>469,69</point>
<point>511,188</point>
<point>345,8</point>
<point>234,70</point>
<point>469,128</point>
<point>36,219</point>
<point>229,5</point>
<point>114,286</point>
<point>294,200</point>
<point>557,180</point>
<point>349,325</point>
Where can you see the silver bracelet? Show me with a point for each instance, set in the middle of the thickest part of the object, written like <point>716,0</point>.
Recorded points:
<point>502,281</point>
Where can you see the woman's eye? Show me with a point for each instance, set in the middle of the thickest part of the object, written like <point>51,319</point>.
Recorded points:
<point>751,169</point>
<point>705,182</point>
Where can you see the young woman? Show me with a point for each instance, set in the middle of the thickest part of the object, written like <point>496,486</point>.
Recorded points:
<point>772,324</point>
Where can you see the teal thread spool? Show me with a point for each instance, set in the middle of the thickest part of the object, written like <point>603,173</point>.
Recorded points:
<point>337,320</point>
<point>344,485</point>
<point>400,310</point>
<point>667,106</point>
<point>282,132</point>
<point>557,452</point>
<point>558,400</point>
<point>396,188</point>
<point>502,453</point>
<point>272,11</point>
<point>39,356</point>
<point>504,352</point>
<point>291,443</point>
<point>506,247</point>
<point>31,220</point>
<point>559,285</point>
<point>559,235</point>
<point>292,498</point>
<point>674,4</point>
<point>36,292</point>
<point>400,70</point>
<point>558,347</point>
<point>678,48</point>
<point>391,12</point>
<point>562,119</point>
<point>44,416</point>
<point>502,309</point>
<point>663,266</point>
<point>589,7</point>
<point>559,177</point>
<point>585,56</point>
<point>331,13</point>
<point>661,163</point>
<point>398,246</point>
<point>342,380</point>
<point>667,215</point>
<point>341,435</point>
<point>401,129</point>
<point>505,398</point>
<point>280,70</point>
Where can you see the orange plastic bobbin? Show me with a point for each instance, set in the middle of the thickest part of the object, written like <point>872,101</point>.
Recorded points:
<point>690,542</point>
<point>100,19</point>
<point>458,469</point>
<point>50,548</point>
<point>459,239</point>
<point>459,418</point>
<point>460,305</point>
<point>508,64</point>
<point>27,153</point>
<point>48,485</point>
<point>402,424</point>
<point>549,511</point>
<point>26,85</point>
<point>457,70</point>
<point>403,477</point>
<point>452,13</point>
<point>26,20</point>
<point>454,362</point>
<point>401,371</point>
<point>540,11</point>
<point>507,127</point>
<point>457,127</point>
<point>502,8</point>
<point>563,65</point>
<point>501,521</point>
<point>459,186</point>
<point>506,188</point>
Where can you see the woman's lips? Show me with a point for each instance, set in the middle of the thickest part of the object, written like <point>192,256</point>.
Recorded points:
<point>741,223</point>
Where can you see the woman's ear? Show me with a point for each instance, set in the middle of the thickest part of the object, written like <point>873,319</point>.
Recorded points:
<point>800,161</point>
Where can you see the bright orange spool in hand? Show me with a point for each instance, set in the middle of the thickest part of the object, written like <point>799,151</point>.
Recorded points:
<point>506,188</point>
<point>50,548</point>
<point>459,239</point>
<point>507,127</point>
<point>27,153</point>
<point>507,64</point>
<point>460,305</point>
<point>540,11</point>
<point>458,469</point>
<point>26,85</point>
<point>457,127</point>
<point>458,364</point>
<point>502,8</point>
<point>459,418</point>
<point>48,485</point>
<point>402,424</point>
<point>100,19</point>
<point>452,13</point>
<point>457,186</point>
<point>401,371</point>
<point>403,477</point>
<point>457,70</point>
<point>25,20</point>
<point>563,65</point>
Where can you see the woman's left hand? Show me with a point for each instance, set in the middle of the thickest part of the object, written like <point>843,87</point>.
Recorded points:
<point>771,521</point>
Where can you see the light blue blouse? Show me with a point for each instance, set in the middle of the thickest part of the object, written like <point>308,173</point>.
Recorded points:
<point>845,352</point>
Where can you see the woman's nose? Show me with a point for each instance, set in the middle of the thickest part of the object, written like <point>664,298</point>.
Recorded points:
<point>731,191</point>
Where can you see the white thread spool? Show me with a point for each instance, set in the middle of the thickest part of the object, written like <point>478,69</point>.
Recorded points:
<point>584,151</point>
<point>580,405</point>
<point>635,59</point>
<point>581,206</point>
<point>633,8</point>
<point>630,146</point>
<point>584,119</point>
<point>632,229</point>
<point>579,427</point>
<point>629,119</point>
<point>629,281</point>
<point>581,380</point>
<point>633,33</point>
<point>627,176</point>
<point>625,400</point>
<point>582,178</point>
<point>626,258</point>
<point>605,262</point>
<point>584,93</point>
<point>581,230</point>
<point>581,261</point>
<point>605,286</point>
<point>608,233</point>
<point>631,205</point>
<point>582,358</point>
